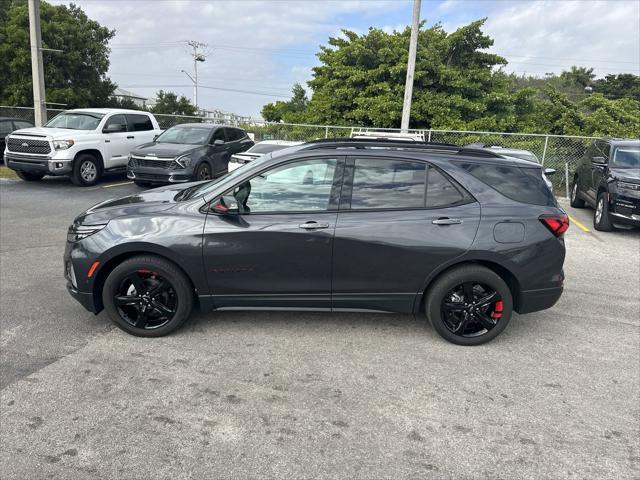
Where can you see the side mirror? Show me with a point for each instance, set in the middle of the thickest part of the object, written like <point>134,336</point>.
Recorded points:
<point>226,205</point>
<point>600,161</point>
<point>114,128</point>
<point>549,171</point>
<point>218,142</point>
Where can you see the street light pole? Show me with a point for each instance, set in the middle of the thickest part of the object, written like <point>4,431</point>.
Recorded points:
<point>411,66</point>
<point>37,70</point>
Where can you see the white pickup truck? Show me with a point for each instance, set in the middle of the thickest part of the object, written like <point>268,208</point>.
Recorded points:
<point>82,143</point>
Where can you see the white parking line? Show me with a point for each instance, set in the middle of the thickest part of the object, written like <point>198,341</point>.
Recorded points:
<point>117,184</point>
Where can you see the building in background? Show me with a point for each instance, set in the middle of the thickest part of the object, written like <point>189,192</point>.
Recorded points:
<point>139,100</point>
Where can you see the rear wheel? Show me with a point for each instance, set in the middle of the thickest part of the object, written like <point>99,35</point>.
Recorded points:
<point>469,305</point>
<point>601,217</point>
<point>87,170</point>
<point>30,177</point>
<point>576,201</point>
<point>147,296</point>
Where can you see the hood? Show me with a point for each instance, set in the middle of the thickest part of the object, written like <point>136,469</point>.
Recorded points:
<point>57,133</point>
<point>630,174</point>
<point>144,203</point>
<point>164,149</point>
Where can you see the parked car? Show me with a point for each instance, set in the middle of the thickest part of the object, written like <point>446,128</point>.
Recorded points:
<point>523,155</point>
<point>82,143</point>
<point>259,149</point>
<point>8,125</point>
<point>373,134</point>
<point>458,234</point>
<point>187,152</point>
<point>608,179</point>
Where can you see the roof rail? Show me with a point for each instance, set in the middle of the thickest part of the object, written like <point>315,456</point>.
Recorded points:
<point>368,143</point>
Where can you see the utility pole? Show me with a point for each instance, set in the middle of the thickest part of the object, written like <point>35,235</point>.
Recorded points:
<point>37,70</point>
<point>411,67</point>
<point>197,57</point>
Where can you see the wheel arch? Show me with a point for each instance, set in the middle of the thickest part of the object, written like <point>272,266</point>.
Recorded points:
<point>506,274</point>
<point>116,259</point>
<point>97,154</point>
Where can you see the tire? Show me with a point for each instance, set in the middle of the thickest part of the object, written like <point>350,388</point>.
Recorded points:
<point>575,200</point>
<point>449,291</point>
<point>601,217</point>
<point>162,285</point>
<point>87,170</point>
<point>203,172</point>
<point>30,177</point>
<point>142,184</point>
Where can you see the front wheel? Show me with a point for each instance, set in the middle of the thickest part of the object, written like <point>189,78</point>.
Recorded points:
<point>601,217</point>
<point>30,177</point>
<point>148,296</point>
<point>87,170</point>
<point>469,305</point>
<point>203,172</point>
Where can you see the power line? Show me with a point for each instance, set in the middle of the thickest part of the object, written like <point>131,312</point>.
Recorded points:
<point>211,87</point>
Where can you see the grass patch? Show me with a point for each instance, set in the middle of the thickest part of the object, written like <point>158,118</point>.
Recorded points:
<point>7,172</point>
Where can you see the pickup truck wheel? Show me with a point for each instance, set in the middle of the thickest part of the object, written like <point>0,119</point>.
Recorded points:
<point>601,218</point>
<point>576,201</point>
<point>87,170</point>
<point>30,177</point>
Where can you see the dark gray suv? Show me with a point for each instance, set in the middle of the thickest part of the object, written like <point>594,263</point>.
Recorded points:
<point>186,152</point>
<point>459,234</point>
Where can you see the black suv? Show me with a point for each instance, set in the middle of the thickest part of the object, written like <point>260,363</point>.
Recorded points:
<point>186,152</point>
<point>8,125</point>
<point>462,235</point>
<point>608,179</point>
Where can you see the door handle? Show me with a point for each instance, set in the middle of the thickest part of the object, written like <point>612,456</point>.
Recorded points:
<point>447,221</point>
<point>130,137</point>
<point>313,225</point>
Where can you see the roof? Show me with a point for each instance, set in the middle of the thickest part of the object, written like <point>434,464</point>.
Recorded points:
<point>17,119</point>
<point>121,92</point>
<point>105,111</point>
<point>626,142</point>
<point>196,124</point>
<point>280,142</point>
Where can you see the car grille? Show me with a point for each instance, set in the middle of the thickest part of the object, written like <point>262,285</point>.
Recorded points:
<point>152,177</point>
<point>168,164</point>
<point>27,145</point>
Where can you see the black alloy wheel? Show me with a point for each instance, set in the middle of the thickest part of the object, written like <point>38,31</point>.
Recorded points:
<point>469,305</point>
<point>148,296</point>
<point>145,299</point>
<point>203,172</point>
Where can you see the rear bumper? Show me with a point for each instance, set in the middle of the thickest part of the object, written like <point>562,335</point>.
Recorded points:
<point>535,300</point>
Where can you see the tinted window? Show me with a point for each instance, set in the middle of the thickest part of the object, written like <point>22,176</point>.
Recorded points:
<point>138,123</point>
<point>20,124</point>
<point>388,184</point>
<point>218,135</point>
<point>117,120</point>
<point>298,186</point>
<point>522,184</point>
<point>440,191</point>
<point>5,127</point>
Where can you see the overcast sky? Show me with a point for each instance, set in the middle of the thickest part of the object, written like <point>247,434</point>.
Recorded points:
<point>257,49</point>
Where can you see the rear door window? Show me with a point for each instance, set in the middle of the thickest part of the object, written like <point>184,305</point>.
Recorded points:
<point>388,184</point>
<point>441,192</point>
<point>139,122</point>
<point>218,135</point>
<point>233,134</point>
<point>524,185</point>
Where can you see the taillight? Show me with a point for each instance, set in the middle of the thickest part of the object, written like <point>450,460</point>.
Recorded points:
<point>557,224</point>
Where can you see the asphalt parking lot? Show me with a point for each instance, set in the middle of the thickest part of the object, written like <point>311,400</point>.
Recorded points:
<point>302,395</point>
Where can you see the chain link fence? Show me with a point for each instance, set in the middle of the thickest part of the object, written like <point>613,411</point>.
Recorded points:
<point>557,152</point>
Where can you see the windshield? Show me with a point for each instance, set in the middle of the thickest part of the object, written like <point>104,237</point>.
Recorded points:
<point>76,121</point>
<point>266,148</point>
<point>626,157</point>
<point>186,135</point>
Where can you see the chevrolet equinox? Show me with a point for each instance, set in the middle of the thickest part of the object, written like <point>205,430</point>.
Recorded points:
<point>461,235</point>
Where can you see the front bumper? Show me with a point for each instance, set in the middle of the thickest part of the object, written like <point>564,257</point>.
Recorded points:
<point>624,207</point>
<point>45,165</point>
<point>159,175</point>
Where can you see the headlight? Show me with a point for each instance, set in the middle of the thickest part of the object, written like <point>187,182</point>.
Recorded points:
<point>184,161</point>
<point>629,186</point>
<point>78,232</point>
<point>62,144</point>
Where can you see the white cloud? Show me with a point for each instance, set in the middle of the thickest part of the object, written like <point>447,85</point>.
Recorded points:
<point>550,36</point>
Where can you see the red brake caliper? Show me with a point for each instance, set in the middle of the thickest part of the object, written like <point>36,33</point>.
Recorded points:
<point>497,310</point>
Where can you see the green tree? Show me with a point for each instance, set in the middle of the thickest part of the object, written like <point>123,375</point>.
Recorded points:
<point>624,85</point>
<point>581,76</point>
<point>76,76</point>
<point>170,103</point>
<point>289,111</point>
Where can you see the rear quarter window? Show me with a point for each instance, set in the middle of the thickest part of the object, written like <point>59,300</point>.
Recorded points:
<point>524,185</point>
